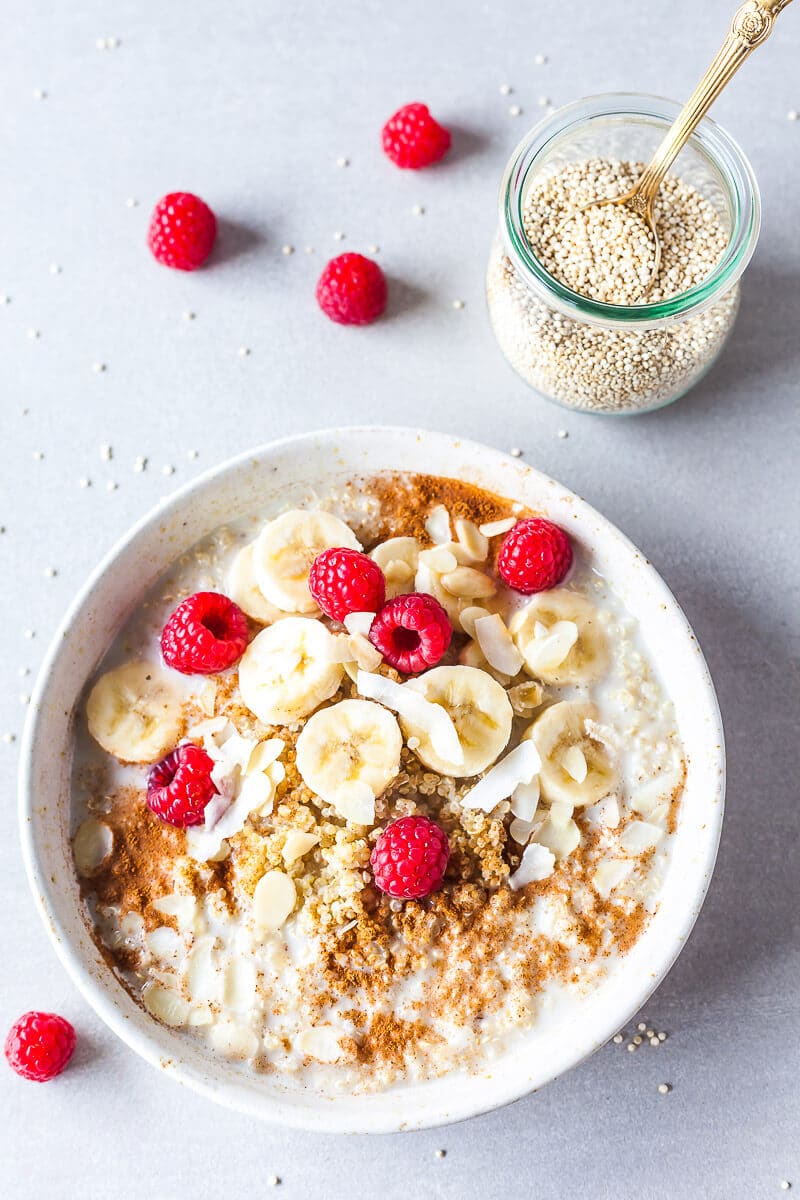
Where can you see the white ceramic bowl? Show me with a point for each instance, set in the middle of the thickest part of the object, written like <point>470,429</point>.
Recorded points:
<point>284,471</point>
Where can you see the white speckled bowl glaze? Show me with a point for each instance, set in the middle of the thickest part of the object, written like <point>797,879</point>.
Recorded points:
<point>279,473</point>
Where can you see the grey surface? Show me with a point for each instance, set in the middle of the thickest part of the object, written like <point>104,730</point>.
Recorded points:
<point>250,104</point>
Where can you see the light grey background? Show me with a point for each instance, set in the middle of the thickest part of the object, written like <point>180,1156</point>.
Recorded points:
<point>250,103</point>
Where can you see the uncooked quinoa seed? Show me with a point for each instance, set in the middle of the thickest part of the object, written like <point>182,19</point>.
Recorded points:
<point>607,254</point>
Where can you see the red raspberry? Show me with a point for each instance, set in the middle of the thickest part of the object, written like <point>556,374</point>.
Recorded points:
<point>182,231</point>
<point>410,857</point>
<point>206,633</point>
<point>412,138</point>
<point>39,1045</point>
<point>535,555</point>
<point>180,786</point>
<point>346,581</point>
<point>412,632</point>
<point>352,290</point>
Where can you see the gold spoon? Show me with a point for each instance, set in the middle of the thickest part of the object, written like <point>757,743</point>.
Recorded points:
<point>751,25</point>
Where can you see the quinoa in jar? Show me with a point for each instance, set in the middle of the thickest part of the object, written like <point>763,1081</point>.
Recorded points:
<point>565,289</point>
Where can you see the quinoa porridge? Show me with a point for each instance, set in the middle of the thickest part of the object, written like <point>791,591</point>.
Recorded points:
<point>607,254</point>
<point>374,847</point>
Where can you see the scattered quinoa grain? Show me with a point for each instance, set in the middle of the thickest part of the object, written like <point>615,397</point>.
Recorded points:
<point>664,1088</point>
<point>515,110</point>
<point>618,1039</point>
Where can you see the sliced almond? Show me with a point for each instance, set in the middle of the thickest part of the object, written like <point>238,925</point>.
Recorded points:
<point>468,583</point>
<point>469,616</point>
<point>239,991</point>
<point>273,900</point>
<point>548,651</point>
<point>232,1040</point>
<point>367,656</point>
<point>361,622</point>
<point>497,644</point>
<point>474,542</point>
<point>438,559</point>
<point>165,1004</point>
<point>91,846</point>
<point>492,529</point>
<point>265,754</point>
<point>164,943</point>
<point>297,844</point>
<point>521,830</point>
<point>437,525</point>
<point>574,763</point>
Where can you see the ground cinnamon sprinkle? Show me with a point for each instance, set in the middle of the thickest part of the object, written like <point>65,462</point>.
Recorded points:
<point>406,501</point>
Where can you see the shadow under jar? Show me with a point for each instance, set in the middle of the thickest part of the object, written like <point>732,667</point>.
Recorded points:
<point>614,357</point>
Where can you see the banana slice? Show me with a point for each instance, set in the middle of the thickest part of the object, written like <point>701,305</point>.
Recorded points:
<point>287,670</point>
<point>576,768</point>
<point>285,549</point>
<point>243,589</point>
<point>479,709</point>
<point>355,741</point>
<point>134,712</point>
<point>398,558</point>
<point>558,635</point>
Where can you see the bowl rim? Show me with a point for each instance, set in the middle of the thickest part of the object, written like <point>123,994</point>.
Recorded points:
<point>44,888</point>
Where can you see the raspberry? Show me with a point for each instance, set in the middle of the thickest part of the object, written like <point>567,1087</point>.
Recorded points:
<point>182,231</point>
<point>535,555</point>
<point>39,1045</point>
<point>412,138</point>
<point>180,786</point>
<point>352,290</point>
<point>412,632</point>
<point>345,581</point>
<point>410,857</point>
<point>206,633</point>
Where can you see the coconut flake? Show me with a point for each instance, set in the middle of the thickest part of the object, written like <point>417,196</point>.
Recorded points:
<point>360,622</point>
<point>537,863</point>
<point>240,984</point>
<point>492,529</point>
<point>639,836</point>
<point>469,616</point>
<point>525,799</point>
<point>610,874</point>
<point>237,750</point>
<point>496,643</point>
<point>437,525</point>
<point>559,835</point>
<point>416,709</point>
<point>574,763</point>
<point>499,782</point>
<point>232,1040</point>
<point>164,943</point>
<point>204,841</point>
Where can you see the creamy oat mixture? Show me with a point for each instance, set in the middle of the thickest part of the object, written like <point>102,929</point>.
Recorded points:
<point>262,930</point>
<point>607,254</point>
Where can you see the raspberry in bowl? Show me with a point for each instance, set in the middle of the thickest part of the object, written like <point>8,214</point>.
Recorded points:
<point>490,845</point>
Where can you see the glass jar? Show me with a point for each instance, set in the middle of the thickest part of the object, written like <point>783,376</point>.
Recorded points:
<point>610,358</point>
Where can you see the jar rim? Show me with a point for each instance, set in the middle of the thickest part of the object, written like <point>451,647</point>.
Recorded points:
<point>709,139</point>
